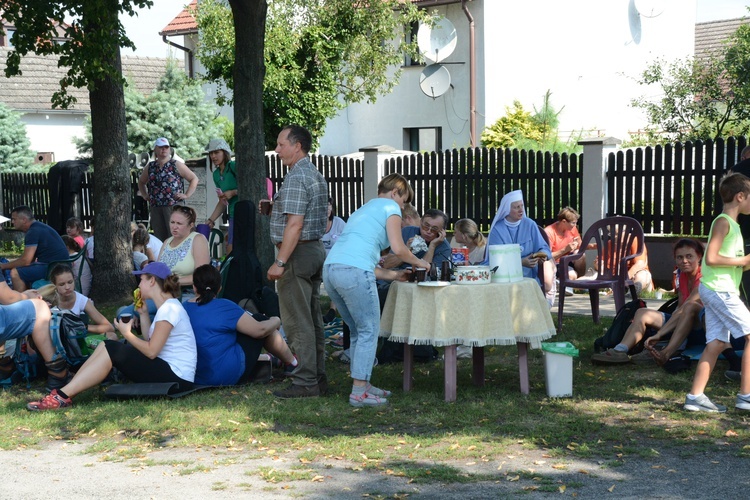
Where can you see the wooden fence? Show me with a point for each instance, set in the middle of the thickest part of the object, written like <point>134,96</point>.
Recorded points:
<point>670,189</point>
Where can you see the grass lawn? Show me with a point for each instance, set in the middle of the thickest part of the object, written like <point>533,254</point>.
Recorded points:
<point>627,411</point>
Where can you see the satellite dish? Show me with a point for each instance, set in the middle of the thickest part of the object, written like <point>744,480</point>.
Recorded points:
<point>435,80</point>
<point>649,8</point>
<point>437,42</point>
<point>634,20</point>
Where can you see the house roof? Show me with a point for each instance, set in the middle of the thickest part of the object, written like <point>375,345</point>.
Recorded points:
<point>32,91</point>
<point>710,36</point>
<point>184,23</point>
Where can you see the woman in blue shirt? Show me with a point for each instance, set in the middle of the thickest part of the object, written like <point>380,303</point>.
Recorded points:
<point>349,275</point>
<point>228,338</point>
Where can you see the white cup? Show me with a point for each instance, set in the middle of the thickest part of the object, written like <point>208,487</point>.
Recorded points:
<point>658,295</point>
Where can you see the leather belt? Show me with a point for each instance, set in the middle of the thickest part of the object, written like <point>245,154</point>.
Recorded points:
<point>300,242</point>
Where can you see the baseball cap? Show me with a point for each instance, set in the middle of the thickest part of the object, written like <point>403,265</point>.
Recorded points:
<point>3,219</point>
<point>158,269</point>
<point>161,141</point>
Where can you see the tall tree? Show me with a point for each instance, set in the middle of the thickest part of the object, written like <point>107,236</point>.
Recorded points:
<point>316,56</point>
<point>248,73</point>
<point>15,155</point>
<point>90,49</point>
<point>152,116</point>
<point>319,55</point>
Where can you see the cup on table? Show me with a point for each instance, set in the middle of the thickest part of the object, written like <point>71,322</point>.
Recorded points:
<point>126,317</point>
<point>420,274</point>
<point>265,207</point>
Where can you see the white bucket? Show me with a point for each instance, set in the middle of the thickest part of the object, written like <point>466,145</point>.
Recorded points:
<point>507,259</point>
<point>558,374</point>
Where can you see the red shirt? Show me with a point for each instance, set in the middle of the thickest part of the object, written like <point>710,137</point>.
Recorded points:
<point>557,242</point>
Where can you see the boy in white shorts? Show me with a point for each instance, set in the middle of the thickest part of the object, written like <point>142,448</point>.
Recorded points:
<point>722,268</point>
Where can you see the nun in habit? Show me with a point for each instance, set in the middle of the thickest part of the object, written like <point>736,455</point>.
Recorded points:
<point>511,226</point>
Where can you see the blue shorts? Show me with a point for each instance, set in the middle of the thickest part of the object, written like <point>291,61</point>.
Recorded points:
<point>32,273</point>
<point>17,320</point>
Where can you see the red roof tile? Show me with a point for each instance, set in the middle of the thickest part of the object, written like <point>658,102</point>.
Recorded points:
<point>184,23</point>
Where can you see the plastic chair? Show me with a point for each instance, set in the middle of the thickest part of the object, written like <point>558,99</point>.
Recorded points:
<point>614,237</point>
<point>81,255</point>
<point>216,243</point>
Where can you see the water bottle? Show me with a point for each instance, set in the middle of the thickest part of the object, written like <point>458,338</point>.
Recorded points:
<point>54,327</point>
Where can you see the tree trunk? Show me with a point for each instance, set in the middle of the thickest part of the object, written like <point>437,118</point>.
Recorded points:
<point>249,143</point>
<point>113,280</point>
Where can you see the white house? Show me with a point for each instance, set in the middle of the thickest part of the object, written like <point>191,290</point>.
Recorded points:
<point>586,52</point>
<point>51,131</point>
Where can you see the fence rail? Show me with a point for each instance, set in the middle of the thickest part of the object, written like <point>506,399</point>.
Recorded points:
<point>670,189</point>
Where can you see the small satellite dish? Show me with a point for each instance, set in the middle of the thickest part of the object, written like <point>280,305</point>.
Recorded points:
<point>437,42</point>
<point>435,80</point>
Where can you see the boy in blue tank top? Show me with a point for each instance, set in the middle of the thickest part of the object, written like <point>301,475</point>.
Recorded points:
<point>722,268</point>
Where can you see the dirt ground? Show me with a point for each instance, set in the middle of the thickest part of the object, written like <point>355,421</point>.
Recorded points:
<point>60,468</point>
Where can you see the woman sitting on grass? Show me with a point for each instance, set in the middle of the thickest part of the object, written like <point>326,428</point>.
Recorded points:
<point>229,339</point>
<point>166,353</point>
<point>77,303</point>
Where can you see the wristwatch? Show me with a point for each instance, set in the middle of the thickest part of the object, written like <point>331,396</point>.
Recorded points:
<point>280,263</point>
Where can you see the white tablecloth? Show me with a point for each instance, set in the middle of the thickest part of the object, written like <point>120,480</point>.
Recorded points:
<point>473,315</point>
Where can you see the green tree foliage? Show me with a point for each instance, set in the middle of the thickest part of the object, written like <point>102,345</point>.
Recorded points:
<point>699,99</point>
<point>319,55</point>
<point>90,50</point>
<point>176,110</point>
<point>15,155</point>
<point>520,129</point>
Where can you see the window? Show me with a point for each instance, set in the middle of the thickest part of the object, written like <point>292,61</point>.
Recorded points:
<point>423,139</point>
<point>410,33</point>
<point>8,39</point>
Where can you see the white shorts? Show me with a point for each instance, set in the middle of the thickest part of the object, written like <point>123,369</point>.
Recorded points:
<point>725,315</point>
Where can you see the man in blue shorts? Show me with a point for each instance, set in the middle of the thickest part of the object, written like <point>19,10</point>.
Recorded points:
<point>24,314</point>
<point>42,246</point>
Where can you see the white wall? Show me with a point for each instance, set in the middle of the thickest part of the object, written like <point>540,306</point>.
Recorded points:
<point>383,123</point>
<point>583,51</point>
<point>54,132</point>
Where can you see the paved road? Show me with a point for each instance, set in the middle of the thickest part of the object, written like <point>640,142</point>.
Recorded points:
<point>579,304</point>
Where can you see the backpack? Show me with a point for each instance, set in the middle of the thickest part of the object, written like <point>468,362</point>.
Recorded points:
<point>68,332</point>
<point>622,321</point>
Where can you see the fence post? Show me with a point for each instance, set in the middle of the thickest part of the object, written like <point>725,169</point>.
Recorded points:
<point>373,168</point>
<point>594,177</point>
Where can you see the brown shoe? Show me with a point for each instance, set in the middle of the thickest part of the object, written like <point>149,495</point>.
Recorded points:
<point>645,357</point>
<point>298,391</point>
<point>610,357</point>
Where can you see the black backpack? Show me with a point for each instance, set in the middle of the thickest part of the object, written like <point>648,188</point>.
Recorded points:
<point>622,321</point>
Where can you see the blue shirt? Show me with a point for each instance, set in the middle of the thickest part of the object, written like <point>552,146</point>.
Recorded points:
<point>442,252</point>
<point>221,360</point>
<point>365,235</point>
<point>49,245</point>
